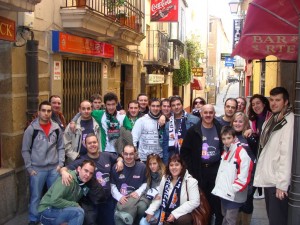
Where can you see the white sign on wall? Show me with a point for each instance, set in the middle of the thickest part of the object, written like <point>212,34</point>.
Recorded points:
<point>57,70</point>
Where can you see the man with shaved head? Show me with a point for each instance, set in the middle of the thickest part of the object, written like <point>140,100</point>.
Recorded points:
<point>201,150</point>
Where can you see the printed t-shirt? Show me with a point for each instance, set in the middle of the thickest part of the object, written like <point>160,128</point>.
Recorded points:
<point>87,128</point>
<point>211,145</point>
<point>104,164</point>
<point>130,178</point>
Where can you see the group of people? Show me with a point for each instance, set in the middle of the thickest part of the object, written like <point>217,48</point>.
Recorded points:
<point>146,165</point>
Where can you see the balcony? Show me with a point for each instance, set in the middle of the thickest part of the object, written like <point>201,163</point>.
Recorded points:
<point>157,49</point>
<point>105,20</point>
<point>18,5</point>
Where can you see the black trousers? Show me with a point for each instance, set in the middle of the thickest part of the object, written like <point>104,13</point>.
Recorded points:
<point>277,210</point>
<point>209,175</point>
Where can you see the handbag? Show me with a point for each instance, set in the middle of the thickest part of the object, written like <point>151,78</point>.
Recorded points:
<point>201,214</point>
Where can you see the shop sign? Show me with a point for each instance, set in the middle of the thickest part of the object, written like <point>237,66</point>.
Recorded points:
<point>237,31</point>
<point>7,29</point>
<point>197,71</point>
<point>63,42</point>
<point>164,10</point>
<point>155,79</point>
<point>224,55</point>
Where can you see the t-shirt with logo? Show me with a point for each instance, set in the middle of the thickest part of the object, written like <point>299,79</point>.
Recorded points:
<point>210,152</point>
<point>86,128</point>
<point>104,164</point>
<point>130,178</point>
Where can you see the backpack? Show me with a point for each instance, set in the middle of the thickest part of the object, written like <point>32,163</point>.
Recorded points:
<point>35,133</point>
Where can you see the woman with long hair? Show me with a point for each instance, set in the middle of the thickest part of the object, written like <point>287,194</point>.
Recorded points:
<point>240,124</point>
<point>179,196</point>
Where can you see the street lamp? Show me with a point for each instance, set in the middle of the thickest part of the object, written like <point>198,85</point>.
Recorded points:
<point>234,6</point>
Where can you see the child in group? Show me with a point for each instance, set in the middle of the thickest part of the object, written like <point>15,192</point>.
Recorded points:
<point>233,176</point>
<point>155,170</point>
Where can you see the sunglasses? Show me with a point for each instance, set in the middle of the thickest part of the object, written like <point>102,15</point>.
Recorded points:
<point>199,102</point>
<point>152,154</point>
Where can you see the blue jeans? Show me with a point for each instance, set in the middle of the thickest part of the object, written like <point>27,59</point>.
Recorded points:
<point>144,221</point>
<point>70,215</point>
<point>106,212</point>
<point>37,183</point>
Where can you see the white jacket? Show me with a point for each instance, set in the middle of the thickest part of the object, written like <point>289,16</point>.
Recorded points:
<point>186,206</point>
<point>146,133</point>
<point>234,174</point>
<point>274,164</point>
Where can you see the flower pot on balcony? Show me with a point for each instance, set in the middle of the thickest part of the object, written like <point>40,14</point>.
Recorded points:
<point>80,3</point>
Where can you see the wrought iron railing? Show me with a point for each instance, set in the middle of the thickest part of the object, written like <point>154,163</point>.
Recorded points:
<point>158,46</point>
<point>128,13</point>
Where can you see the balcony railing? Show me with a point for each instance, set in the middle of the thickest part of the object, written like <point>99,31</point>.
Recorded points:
<point>158,46</point>
<point>127,13</point>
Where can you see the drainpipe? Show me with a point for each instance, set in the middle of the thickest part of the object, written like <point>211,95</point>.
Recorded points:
<point>294,193</point>
<point>32,77</point>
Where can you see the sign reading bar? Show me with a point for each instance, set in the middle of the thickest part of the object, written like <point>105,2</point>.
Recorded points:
<point>164,11</point>
<point>198,71</point>
<point>7,29</point>
<point>63,42</point>
<point>155,79</point>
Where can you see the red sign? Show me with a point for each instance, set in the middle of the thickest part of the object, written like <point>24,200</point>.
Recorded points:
<point>63,42</point>
<point>260,39</point>
<point>7,29</point>
<point>164,11</point>
<point>196,85</point>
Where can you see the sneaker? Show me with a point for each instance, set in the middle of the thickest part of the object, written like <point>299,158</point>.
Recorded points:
<point>258,196</point>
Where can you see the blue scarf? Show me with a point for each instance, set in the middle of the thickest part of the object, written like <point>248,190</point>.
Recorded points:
<point>169,204</point>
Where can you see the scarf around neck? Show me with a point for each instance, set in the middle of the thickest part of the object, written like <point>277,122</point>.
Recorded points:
<point>113,126</point>
<point>171,203</point>
<point>275,122</point>
<point>175,138</point>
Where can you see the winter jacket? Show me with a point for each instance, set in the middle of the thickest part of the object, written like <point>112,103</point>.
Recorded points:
<point>273,168</point>
<point>234,174</point>
<point>191,146</point>
<point>190,120</point>
<point>188,202</point>
<point>146,133</point>
<point>72,140</point>
<point>61,196</point>
<point>46,152</point>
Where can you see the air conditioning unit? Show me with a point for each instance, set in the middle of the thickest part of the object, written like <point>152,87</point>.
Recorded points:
<point>25,19</point>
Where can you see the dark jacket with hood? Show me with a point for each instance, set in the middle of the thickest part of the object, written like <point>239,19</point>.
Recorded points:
<point>190,149</point>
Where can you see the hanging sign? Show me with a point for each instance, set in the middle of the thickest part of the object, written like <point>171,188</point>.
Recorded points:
<point>164,11</point>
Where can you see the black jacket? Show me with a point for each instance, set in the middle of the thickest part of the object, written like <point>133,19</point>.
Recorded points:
<point>190,149</point>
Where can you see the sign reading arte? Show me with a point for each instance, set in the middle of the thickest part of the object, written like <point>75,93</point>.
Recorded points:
<point>197,71</point>
<point>155,79</point>
<point>63,42</point>
<point>275,43</point>
<point>7,29</point>
<point>164,11</point>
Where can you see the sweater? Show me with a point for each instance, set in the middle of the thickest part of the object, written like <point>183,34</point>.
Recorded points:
<point>61,196</point>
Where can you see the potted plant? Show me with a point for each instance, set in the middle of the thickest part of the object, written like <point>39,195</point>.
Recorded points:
<point>113,6</point>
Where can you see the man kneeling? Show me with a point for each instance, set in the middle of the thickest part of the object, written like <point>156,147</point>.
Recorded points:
<point>60,203</point>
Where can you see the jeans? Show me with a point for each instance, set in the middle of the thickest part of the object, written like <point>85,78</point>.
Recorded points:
<point>37,183</point>
<point>70,215</point>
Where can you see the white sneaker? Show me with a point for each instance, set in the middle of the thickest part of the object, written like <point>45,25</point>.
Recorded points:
<point>257,196</point>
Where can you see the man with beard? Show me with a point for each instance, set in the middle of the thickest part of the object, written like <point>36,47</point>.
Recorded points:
<point>201,150</point>
<point>230,108</point>
<point>148,133</point>
<point>175,130</point>
<point>273,169</point>
<point>98,210</point>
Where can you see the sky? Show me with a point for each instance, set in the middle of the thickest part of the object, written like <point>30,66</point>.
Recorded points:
<point>220,8</point>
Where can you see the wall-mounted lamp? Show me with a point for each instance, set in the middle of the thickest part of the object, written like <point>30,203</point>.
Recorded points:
<point>234,6</point>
